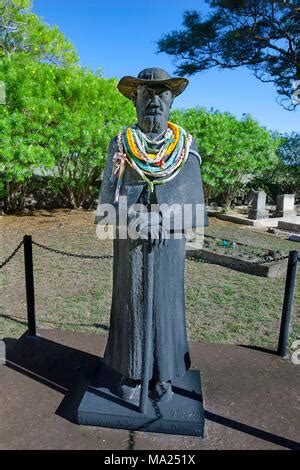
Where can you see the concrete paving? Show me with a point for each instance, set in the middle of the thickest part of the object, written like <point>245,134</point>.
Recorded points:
<point>292,225</point>
<point>251,397</point>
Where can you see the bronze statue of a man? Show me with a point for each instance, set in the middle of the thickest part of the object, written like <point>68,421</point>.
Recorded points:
<point>154,163</point>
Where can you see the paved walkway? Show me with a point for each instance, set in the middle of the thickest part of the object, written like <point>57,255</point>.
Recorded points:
<point>251,398</point>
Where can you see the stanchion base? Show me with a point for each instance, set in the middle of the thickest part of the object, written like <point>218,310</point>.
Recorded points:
<point>182,414</point>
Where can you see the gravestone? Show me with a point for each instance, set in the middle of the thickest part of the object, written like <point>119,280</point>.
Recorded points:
<point>285,205</point>
<point>258,209</point>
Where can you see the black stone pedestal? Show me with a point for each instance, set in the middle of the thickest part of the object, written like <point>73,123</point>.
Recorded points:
<point>183,414</point>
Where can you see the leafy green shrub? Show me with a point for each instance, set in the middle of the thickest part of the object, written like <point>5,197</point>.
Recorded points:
<point>233,151</point>
<point>58,120</point>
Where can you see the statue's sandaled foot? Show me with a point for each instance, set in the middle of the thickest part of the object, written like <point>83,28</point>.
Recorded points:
<point>161,391</point>
<point>129,390</point>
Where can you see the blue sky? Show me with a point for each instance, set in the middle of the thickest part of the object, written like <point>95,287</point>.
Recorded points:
<point>120,38</point>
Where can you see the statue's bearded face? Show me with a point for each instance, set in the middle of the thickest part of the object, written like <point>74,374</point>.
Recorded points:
<point>153,104</point>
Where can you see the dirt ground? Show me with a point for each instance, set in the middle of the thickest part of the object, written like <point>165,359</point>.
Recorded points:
<point>74,294</point>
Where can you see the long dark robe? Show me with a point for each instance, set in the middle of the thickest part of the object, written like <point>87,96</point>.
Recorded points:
<point>169,352</point>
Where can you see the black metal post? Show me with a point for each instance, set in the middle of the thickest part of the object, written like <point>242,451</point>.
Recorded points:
<point>29,285</point>
<point>287,304</point>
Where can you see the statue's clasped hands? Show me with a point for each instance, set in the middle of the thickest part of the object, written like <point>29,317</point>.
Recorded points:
<point>149,226</point>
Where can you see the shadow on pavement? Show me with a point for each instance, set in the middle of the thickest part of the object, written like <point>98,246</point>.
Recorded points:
<point>68,371</point>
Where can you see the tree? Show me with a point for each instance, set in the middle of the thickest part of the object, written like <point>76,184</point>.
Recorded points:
<point>232,151</point>
<point>58,119</point>
<point>285,176</point>
<point>290,149</point>
<point>262,35</point>
<point>23,31</point>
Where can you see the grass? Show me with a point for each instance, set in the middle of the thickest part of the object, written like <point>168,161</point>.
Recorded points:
<point>222,305</point>
<point>229,306</point>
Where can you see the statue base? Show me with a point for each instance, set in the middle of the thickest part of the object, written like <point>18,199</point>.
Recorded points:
<point>183,414</point>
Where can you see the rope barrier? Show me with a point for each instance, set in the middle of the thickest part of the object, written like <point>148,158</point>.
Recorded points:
<point>199,258</point>
<point>27,241</point>
<point>74,255</point>
<point>11,255</point>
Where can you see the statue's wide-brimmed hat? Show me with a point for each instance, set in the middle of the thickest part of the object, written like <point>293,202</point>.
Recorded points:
<point>152,76</point>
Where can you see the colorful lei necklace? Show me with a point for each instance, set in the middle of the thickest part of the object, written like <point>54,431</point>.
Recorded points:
<point>154,165</point>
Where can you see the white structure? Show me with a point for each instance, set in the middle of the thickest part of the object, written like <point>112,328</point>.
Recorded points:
<point>258,209</point>
<point>285,205</point>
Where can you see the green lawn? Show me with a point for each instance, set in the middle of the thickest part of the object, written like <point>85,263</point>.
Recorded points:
<point>222,305</point>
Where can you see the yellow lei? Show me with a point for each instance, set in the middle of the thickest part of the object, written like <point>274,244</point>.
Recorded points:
<point>170,148</point>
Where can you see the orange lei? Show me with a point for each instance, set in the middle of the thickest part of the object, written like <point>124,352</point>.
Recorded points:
<point>170,148</point>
